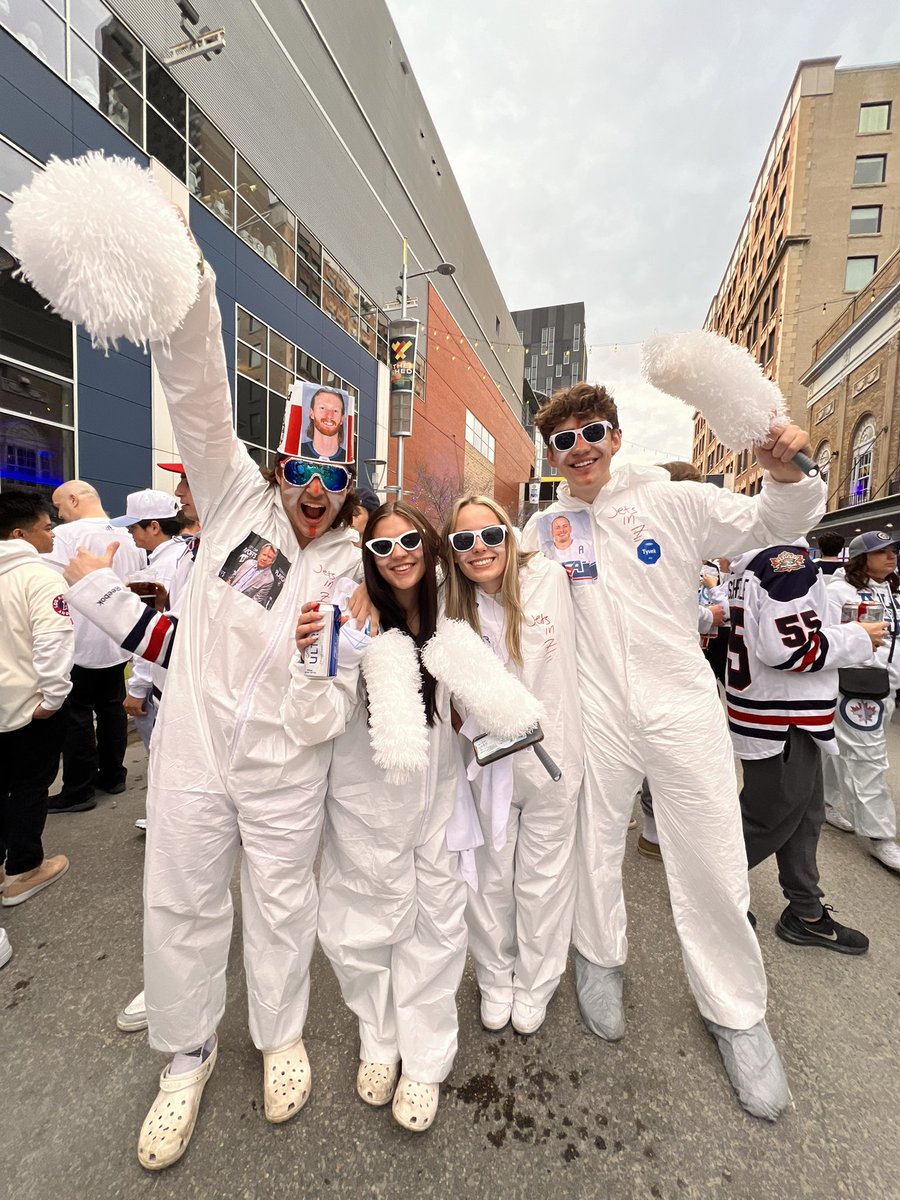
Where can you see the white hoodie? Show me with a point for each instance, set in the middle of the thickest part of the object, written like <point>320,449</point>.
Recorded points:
<point>37,641</point>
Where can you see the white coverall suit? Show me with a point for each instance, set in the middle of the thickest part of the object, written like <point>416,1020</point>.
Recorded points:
<point>223,773</point>
<point>520,917</point>
<point>391,899</point>
<point>651,707</point>
<point>856,781</point>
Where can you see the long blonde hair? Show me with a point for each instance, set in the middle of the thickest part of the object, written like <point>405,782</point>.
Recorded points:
<point>461,594</point>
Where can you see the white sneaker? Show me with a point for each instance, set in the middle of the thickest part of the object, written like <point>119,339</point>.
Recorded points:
<point>495,1016</point>
<point>133,1016</point>
<point>527,1019</point>
<point>837,820</point>
<point>886,851</point>
<point>5,948</point>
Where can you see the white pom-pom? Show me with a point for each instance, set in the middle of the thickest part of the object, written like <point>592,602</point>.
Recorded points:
<point>98,239</point>
<point>398,729</point>
<point>723,381</point>
<point>499,702</point>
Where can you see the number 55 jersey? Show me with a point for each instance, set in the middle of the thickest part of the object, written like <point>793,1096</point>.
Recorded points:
<point>783,655</point>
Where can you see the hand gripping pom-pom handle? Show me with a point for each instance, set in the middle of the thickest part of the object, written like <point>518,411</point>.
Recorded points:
<point>805,464</point>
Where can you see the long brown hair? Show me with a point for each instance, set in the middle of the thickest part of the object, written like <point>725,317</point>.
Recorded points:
<point>462,593</point>
<point>857,575</point>
<point>382,594</point>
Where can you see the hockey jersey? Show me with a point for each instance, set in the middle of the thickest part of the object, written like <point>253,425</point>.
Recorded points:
<point>783,652</point>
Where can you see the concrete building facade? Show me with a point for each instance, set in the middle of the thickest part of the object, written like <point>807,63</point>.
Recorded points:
<point>824,215</point>
<point>303,154</point>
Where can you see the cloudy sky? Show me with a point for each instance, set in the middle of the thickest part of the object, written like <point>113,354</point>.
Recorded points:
<point>607,151</point>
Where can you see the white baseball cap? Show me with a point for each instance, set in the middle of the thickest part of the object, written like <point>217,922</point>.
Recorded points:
<point>147,505</point>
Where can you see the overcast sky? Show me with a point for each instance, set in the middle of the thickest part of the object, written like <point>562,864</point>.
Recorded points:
<point>607,151</point>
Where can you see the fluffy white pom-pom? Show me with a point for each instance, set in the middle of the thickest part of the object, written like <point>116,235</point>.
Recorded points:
<point>98,239</point>
<point>499,702</point>
<point>723,381</point>
<point>398,729</point>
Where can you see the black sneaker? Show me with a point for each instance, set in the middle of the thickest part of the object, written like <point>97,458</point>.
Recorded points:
<point>825,932</point>
<point>58,804</point>
<point>113,789</point>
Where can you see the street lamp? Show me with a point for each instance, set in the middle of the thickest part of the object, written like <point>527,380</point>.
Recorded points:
<point>401,416</point>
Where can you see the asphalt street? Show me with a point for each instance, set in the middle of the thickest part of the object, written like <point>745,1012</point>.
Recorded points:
<point>560,1114</point>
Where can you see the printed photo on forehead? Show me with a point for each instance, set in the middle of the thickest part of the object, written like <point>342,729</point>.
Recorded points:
<point>257,569</point>
<point>566,537</point>
<point>319,423</point>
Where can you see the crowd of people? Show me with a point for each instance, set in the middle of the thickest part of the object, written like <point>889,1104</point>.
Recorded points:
<point>471,764</point>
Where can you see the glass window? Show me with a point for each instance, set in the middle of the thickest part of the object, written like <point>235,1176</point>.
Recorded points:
<point>259,456</point>
<point>39,30</point>
<point>212,144</point>
<point>859,271</point>
<point>308,248</point>
<point>15,169</point>
<point>869,168</point>
<point>165,144</point>
<point>33,394</point>
<point>308,282</point>
<point>865,218</point>
<point>34,455</point>
<point>280,349</point>
<point>259,235</point>
<point>252,331</point>
<point>252,188</point>
<point>337,279</point>
<point>251,411</point>
<point>251,363</point>
<point>861,461</point>
<point>823,458</point>
<point>276,419</point>
<point>165,95</point>
<point>307,367</point>
<point>280,380</point>
<point>339,311</point>
<point>875,118</point>
<point>103,87</point>
<point>30,332</point>
<point>106,33</point>
<point>211,189</point>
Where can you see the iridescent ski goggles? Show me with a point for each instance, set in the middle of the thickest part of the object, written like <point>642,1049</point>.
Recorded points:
<point>299,473</point>
<point>383,547</point>
<point>491,535</point>
<point>565,439</point>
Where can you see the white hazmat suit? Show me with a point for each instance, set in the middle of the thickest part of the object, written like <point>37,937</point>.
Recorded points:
<point>650,707</point>
<point>223,773</point>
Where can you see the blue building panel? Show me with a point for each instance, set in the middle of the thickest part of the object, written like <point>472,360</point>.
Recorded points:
<point>115,468</point>
<point>29,76</point>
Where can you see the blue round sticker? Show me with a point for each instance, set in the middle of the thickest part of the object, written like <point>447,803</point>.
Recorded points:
<point>648,551</point>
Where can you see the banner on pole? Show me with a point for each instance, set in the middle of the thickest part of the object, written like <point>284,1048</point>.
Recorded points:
<point>403,341</point>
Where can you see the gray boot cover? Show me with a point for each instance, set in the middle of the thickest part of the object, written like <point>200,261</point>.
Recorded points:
<point>754,1067</point>
<point>599,992</point>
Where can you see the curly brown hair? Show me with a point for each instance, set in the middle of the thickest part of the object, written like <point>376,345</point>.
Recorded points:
<point>857,575</point>
<point>584,400</point>
<point>682,472</point>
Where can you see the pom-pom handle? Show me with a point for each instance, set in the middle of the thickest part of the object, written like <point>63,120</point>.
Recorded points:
<point>805,464</point>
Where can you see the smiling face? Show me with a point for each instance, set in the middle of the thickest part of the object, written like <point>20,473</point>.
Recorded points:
<point>561,532</point>
<point>311,510</point>
<point>483,565</point>
<point>402,569</point>
<point>881,563</point>
<point>327,413</point>
<point>266,557</point>
<point>586,467</point>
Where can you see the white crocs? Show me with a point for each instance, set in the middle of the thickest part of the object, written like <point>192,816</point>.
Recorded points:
<point>168,1126</point>
<point>415,1104</point>
<point>287,1081</point>
<point>375,1082</point>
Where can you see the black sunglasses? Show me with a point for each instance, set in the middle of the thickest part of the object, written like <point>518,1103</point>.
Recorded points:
<point>383,547</point>
<point>565,439</point>
<point>464,539</point>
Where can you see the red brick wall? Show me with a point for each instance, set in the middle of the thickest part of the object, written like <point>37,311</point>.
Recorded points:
<point>435,457</point>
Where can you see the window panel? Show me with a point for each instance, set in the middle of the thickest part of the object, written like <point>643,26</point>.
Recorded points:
<point>869,168</point>
<point>251,363</point>
<point>165,144</point>
<point>280,380</point>
<point>340,312</point>
<point>252,331</point>
<point>210,189</point>
<point>308,248</point>
<point>261,457</point>
<point>29,331</point>
<point>212,144</point>
<point>39,30</point>
<point>336,278</point>
<point>276,419</point>
<point>265,241</point>
<point>106,33</point>
<point>875,118</point>
<point>165,95</point>
<point>15,169</point>
<point>308,282</point>
<point>101,86</point>
<point>865,218</point>
<point>254,190</point>
<point>859,271</point>
<point>33,394</point>
<point>34,455</point>
<point>251,411</point>
<point>306,367</point>
<point>280,349</point>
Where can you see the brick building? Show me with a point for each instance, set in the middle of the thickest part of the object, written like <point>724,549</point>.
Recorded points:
<point>466,435</point>
<point>823,216</point>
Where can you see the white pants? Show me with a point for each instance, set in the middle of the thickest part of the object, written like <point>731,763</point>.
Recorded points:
<point>192,845</point>
<point>856,778</point>
<point>687,758</point>
<point>520,919</point>
<point>392,924</point>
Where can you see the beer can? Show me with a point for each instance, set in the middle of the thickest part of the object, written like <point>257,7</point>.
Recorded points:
<point>861,610</point>
<point>320,660</point>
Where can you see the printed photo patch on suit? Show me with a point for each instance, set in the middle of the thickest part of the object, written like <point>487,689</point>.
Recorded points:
<point>567,538</point>
<point>257,569</point>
